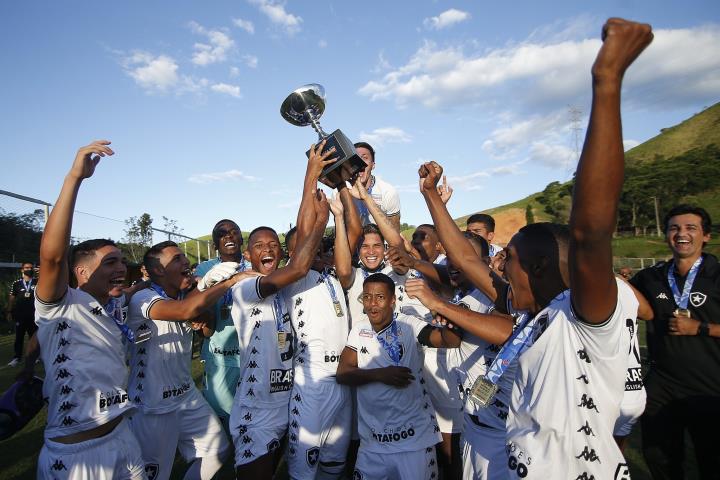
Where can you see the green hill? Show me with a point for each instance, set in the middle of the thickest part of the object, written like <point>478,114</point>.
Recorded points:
<point>681,164</point>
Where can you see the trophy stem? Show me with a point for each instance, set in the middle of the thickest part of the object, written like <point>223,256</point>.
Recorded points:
<point>316,124</point>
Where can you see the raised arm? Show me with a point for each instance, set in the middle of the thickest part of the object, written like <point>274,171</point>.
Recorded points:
<point>458,249</point>
<point>387,229</point>
<point>353,225</point>
<point>599,177</point>
<point>55,243</point>
<point>493,328</point>
<point>343,257</point>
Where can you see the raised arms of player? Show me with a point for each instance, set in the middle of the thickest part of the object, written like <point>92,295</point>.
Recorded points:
<point>348,372</point>
<point>55,242</point>
<point>458,249</point>
<point>353,225</point>
<point>490,327</point>
<point>389,232</point>
<point>194,305</point>
<point>343,257</point>
<point>599,177</point>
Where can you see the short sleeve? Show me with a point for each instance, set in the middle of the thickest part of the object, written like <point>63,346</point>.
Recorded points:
<point>417,325</point>
<point>247,292</point>
<point>353,340</point>
<point>49,310</point>
<point>391,202</point>
<point>146,298</point>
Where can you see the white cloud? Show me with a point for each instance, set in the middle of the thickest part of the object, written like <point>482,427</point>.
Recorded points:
<point>246,25</point>
<point>277,14</point>
<point>213,52</point>
<point>446,19</point>
<point>548,73</point>
<point>204,178</point>
<point>150,72</point>
<point>384,135</point>
<point>232,90</point>
<point>471,181</point>
<point>250,60</point>
<point>629,144</point>
<point>506,140</point>
<point>234,72</point>
<point>551,155</point>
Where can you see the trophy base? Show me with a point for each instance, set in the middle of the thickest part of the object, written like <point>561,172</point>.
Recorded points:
<point>348,162</point>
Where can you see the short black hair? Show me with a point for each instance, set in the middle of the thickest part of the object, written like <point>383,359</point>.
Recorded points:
<point>429,226</point>
<point>546,239</point>
<point>683,209</point>
<point>216,233</point>
<point>87,249</point>
<point>368,229</point>
<point>259,229</point>
<point>484,246</point>
<point>288,236</point>
<point>368,146</point>
<point>155,251</point>
<point>381,278</point>
<point>483,218</point>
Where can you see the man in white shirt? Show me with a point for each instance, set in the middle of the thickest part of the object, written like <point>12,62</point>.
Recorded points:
<point>572,352</point>
<point>382,193</point>
<point>259,417</point>
<point>484,225</point>
<point>172,414</point>
<point>383,359</point>
<point>81,333</point>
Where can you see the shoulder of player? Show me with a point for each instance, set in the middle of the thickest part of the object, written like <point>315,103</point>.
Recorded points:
<point>142,296</point>
<point>710,267</point>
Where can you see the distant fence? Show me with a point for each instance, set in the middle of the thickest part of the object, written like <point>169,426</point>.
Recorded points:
<point>636,263</point>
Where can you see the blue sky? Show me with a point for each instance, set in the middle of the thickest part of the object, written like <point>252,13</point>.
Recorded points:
<point>189,94</point>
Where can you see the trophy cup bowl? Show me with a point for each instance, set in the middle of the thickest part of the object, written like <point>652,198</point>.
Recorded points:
<point>303,107</point>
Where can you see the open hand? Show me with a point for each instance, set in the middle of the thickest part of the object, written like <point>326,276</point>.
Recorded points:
<point>444,190</point>
<point>88,157</point>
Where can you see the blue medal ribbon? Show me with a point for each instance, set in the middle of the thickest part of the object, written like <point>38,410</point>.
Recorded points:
<point>390,341</point>
<point>278,309</point>
<point>325,275</point>
<point>113,309</point>
<point>681,299</point>
<point>364,212</point>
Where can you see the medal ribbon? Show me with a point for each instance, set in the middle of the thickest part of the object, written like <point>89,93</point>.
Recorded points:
<point>113,309</point>
<point>278,309</point>
<point>364,212</point>
<point>682,298</point>
<point>392,344</point>
<point>328,283</point>
<point>27,285</point>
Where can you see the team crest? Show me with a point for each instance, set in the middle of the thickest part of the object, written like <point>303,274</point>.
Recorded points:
<point>312,456</point>
<point>697,299</point>
<point>152,470</point>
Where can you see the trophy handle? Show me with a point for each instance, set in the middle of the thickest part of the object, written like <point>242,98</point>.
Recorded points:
<point>316,124</point>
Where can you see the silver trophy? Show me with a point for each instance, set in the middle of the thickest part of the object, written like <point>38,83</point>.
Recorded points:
<point>304,107</point>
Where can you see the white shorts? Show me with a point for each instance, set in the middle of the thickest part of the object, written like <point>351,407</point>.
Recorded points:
<point>413,465</point>
<point>483,452</point>
<point>256,431</point>
<point>194,431</point>
<point>630,412</point>
<point>113,456</point>
<point>441,386</point>
<point>319,427</point>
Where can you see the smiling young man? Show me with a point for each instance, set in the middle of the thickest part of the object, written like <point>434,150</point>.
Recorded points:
<point>221,351</point>
<point>684,348</point>
<point>172,414</point>
<point>382,193</point>
<point>259,417</point>
<point>81,333</point>
<point>483,225</point>
<point>383,359</point>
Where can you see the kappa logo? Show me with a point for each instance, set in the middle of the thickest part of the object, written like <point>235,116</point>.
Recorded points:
<point>586,429</point>
<point>585,476</point>
<point>589,455</point>
<point>298,301</point>
<point>62,326</point>
<point>584,378</point>
<point>141,351</point>
<point>300,313</point>
<point>588,403</point>
<point>143,327</point>
<point>662,296</point>
<point>302,323</point>
<point>252,379</point>
<point>242,429</point>
<point>141,374</point>
<point>255,311</point>
<point>96,310</point>
<point>583,355</point>
<point>246,439</point>
<point>293,437</point>
<point>250,393</point>
<point>294,424</point>
<point>253,351</point>
<point>65,406</point>
<point>63,342</point>
<point>248,454</point>
<point>622,472</point>
<point>257,325</point>
<point>152,470</point>
<point>363,350</point>
<point>58,465</point>
<point>312,456</point>
<point>61,358</point>
<point>697,299</point>
<point>357,475</point>
<point>67,421</point>
<point>297,398</point>
<point>248,417</point>
<point>66,390</point>
<point>63,373</point>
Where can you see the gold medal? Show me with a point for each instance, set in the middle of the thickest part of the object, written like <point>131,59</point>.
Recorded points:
<point>482,392</point>
<point>338,308</point>
<point>282,340</point>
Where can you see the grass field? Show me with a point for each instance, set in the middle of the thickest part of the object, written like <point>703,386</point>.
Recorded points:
<point>18,455</point>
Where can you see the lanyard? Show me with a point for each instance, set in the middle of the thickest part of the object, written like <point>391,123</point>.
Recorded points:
<point>113,309</point>
<point>328,283</point>
<point>389,340</point>
<point>364,212</point>
<point>278,308</point>
<point>27,285</point>
<point>682,298</point>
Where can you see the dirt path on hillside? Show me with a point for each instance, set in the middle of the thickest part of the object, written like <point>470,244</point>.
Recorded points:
<point>507,223</point>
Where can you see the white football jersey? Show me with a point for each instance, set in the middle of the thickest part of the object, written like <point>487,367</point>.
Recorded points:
<point>84,358</point>
<point>356,289</point>
<point>472,361</point>
<point>393,419</point>
<point>321,332</point>
<point>567,393</point>
<point>385,197</point>
<point>266,377</point>
<point>160,377</point>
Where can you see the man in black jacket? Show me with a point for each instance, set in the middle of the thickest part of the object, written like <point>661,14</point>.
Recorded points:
<point>683,386</point>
